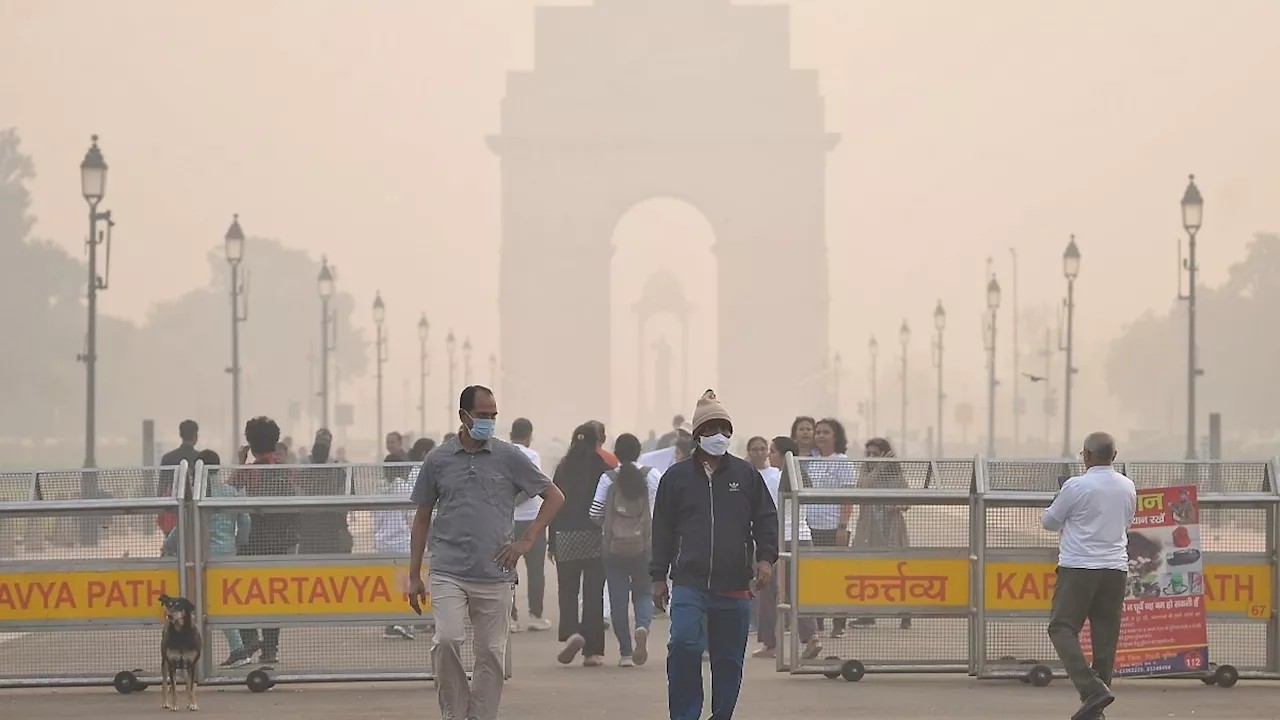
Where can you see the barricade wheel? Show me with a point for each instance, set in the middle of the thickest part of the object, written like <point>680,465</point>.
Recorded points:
<point>260,680</point>
<point>1212,677</point>
<point>832,672</point>
<point>1025,679</point>
<point>853,671</point>
<point>125,682</point>
<point>138,685</point>
<point>1040,676</point>
<point>1226,676</point>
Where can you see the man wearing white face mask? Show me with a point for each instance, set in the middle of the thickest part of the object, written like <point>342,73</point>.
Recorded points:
<point>715,533</point>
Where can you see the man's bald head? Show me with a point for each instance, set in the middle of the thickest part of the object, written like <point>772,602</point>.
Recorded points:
<point>1099,449</point>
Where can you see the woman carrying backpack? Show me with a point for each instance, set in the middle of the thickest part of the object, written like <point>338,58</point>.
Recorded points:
<point>623,506</point>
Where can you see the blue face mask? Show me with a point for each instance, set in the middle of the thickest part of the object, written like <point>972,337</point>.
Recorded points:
<point>481,428</point>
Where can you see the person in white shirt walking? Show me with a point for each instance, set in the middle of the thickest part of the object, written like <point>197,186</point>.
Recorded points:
<point>1092,513</point>
<point>535,561</point>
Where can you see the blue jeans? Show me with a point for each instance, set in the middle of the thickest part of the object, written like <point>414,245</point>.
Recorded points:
<point>727,625</point>
<point>628,582</point>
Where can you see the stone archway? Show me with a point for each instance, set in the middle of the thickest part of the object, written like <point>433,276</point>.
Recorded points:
<point>690,99</point>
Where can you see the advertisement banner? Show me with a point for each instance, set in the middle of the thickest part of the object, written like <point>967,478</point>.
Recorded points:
<point>885,582</point>
<point>1164,628</point>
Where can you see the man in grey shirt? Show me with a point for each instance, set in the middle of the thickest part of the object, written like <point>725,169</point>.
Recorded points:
<point>474,480</point>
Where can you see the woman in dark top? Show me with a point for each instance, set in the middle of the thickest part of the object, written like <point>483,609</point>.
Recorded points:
<point>324,532</point>
<point>575,546</point>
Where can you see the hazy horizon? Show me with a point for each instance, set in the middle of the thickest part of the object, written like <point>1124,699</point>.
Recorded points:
<point>357,131</point>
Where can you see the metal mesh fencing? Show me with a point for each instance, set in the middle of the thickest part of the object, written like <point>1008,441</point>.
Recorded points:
<point>1236,531</point>
<point>886,578</point>
<point>92,655</point>
<point>309,565</point>
<point>55,538</point>
<point>79,607</point>
<point>118,483</point>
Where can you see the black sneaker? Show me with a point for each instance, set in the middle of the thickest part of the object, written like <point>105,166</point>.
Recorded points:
<point>237,658</point>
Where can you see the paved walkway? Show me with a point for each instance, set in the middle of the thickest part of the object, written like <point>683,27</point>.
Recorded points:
<point>541,689</point>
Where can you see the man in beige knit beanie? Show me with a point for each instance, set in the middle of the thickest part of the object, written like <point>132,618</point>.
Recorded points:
<point>715,533</point>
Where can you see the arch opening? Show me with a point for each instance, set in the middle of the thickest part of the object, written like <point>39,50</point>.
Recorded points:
<point>664,314</point>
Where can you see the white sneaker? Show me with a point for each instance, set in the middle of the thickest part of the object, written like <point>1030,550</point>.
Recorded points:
<point>516,627</point>
<point>571,648</point>
<point>593,661</point>
<point>641,653</point>
<point>626,662</point>
<point>537,624</point>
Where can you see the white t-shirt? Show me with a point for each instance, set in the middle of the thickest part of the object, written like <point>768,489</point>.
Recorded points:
<point>528,510</point>
<point>606,482</point>
<point>1093,513</point>
<point>829,473</point>
<point>773,480</point>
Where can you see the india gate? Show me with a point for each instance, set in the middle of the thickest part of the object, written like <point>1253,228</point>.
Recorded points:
<point>696,100</point>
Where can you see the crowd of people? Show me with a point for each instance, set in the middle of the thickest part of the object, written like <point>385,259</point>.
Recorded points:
<point>676,522</point>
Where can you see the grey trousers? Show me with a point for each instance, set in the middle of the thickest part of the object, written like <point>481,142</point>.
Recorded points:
<point>488,606</point>
<point>1096,596</point>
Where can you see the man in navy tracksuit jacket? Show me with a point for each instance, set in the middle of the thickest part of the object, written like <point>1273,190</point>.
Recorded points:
<point>715,532</point>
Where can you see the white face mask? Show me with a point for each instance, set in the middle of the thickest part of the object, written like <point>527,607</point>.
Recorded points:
<point>714,445</point>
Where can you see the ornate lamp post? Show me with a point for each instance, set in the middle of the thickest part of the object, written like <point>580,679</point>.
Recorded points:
<point>233,245</point>
<point>1070,270</point>
<point>939,325</point>
<point>993,304</point>
<point>325,286</point>
<point>1192,214</point>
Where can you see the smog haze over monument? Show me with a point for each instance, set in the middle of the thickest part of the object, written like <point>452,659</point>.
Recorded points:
<point>785,179</point>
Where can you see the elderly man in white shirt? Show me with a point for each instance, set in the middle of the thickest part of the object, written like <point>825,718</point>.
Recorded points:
<point>1092,513</point>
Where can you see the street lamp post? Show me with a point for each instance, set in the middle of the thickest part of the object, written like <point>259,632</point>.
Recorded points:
<point>989,338</point>
<point>450,344</point>
<point>1192,214</point>
<point>1017,398</point>
<point>1070,270</point>
<point>379,320</point>
<point>837,365</point>
<point>904,336</point>
<point>873,348</point>
<point>325,287</point>
<point>234,247</point>
<point>93,185</point>
<point>466,361</point>
<point>939,324</point>
<point>424,328</point>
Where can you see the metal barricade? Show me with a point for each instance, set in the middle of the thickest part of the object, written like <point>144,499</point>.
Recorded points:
<point>317,593</point>
<point>81,577</point>
<point>1238,516</point>
<point>900,578</point>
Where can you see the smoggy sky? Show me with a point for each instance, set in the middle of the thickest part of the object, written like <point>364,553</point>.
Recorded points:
<point>356,129</point>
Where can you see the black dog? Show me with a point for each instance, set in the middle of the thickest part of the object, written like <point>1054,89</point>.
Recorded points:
<point>180,647</point>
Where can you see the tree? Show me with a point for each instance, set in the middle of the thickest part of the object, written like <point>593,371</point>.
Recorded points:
<point>1147,364</point>
<point>187,344</point>
<point>43,326</point>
